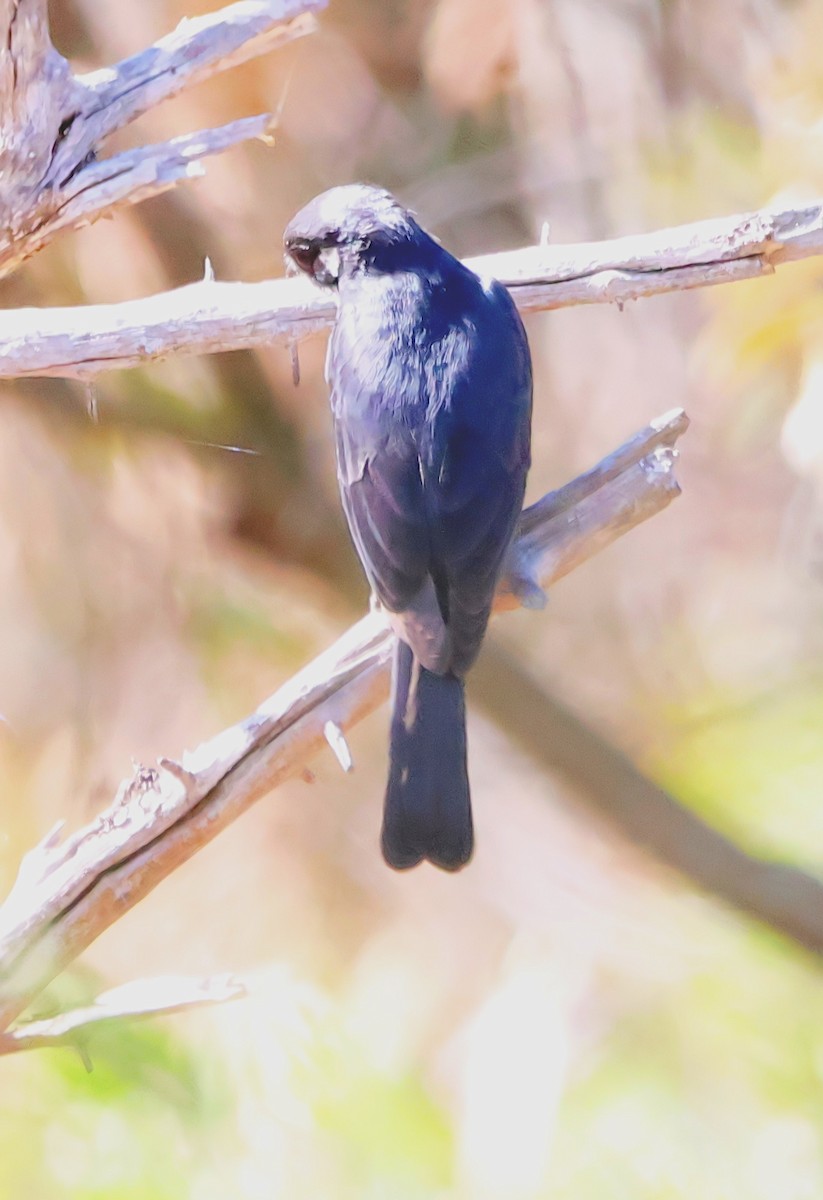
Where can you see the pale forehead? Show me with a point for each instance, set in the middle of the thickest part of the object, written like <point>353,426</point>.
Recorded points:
<point>352,207</point>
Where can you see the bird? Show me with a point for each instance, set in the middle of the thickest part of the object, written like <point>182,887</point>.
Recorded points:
<point>430,380</point>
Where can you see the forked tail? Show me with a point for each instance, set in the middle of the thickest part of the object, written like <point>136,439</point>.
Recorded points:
<point>427,811</point>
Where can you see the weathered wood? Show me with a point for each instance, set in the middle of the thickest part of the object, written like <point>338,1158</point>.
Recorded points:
<point>68,891</point>
<point>205,317</point>
<point>53,123</point>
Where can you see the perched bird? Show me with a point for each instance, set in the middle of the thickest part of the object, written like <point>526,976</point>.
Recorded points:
<point>431,393</point>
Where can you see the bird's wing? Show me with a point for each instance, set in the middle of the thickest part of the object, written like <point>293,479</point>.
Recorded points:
<point>383,503</point>
<point>378,472</point>
<point>432,489</point>
<point>386,515</point>
<point>474,489</point>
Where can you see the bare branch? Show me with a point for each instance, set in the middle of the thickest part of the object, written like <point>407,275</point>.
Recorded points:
<point>52,123</point>
<point>68,892</point>
<point>135,175</point>
<point>206,317</point>
<point>142,998</point>
<point>197,49</point>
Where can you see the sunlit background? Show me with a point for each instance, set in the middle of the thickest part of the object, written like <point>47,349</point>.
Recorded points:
<point>566,1018</point>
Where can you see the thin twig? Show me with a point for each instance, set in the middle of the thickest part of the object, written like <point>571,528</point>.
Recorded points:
<point>68,892</point>
<point>141,998</point>
<point>207,316</point>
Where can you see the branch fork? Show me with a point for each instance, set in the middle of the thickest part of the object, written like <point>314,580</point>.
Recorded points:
<point>53,123</point>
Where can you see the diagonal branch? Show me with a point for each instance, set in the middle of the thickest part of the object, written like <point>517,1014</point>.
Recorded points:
<point>52,123</point>
<point>68,891</point>
<point>206,317</point>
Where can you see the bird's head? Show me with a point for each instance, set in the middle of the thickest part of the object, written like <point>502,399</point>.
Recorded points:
<point>345,228</point>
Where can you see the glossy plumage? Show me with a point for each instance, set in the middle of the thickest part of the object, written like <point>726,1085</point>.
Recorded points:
<point>430,379</point>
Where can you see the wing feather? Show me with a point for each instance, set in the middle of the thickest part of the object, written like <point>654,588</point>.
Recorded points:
<point>432,424</point>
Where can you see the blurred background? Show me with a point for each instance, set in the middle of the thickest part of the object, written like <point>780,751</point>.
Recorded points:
<point>566,1018</point>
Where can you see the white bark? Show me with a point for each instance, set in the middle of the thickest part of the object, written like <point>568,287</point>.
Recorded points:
<point>208,316</point>
<point>53,123</point>
<point>139,999</point>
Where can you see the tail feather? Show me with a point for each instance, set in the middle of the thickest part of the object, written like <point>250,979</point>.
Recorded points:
<point>427,810</point>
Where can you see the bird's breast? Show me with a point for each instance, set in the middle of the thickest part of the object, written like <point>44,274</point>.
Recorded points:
<point>397,352</point>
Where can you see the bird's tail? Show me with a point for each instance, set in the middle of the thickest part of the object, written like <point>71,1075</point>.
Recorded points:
<point>427,812</point>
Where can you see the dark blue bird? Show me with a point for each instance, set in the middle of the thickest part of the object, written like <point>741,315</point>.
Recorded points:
<point>431,393</point>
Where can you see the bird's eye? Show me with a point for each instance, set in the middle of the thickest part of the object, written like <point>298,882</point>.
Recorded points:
<point>318,259</point>
<point>303,254</point>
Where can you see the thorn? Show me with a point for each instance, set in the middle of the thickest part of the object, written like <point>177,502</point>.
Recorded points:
<point>545,233</point>
<point>84,1056</point>
<point>208,270</point>
<point>277,115</point>
<point>178,772</point>
<point>53,836</point>
<point>221,446</point>
<point>295,364</point>
<point>267,135</point>
<point>337,740</point>
<point>91,403</point>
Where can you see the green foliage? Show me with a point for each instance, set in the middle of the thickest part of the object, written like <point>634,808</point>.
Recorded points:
<point>753,768</point>
<point>713,1093</point>
<point>140,1124</point>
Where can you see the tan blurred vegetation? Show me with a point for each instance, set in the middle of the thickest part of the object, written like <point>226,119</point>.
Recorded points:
<point>563,1019</point>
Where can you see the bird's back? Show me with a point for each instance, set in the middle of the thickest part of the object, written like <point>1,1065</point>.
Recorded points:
<point>431,391</point>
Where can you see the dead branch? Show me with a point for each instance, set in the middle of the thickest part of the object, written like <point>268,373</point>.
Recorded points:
<point>206,317</point>
<point>141,998</point>
<point>69,890</point>
<point>52,123</point>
